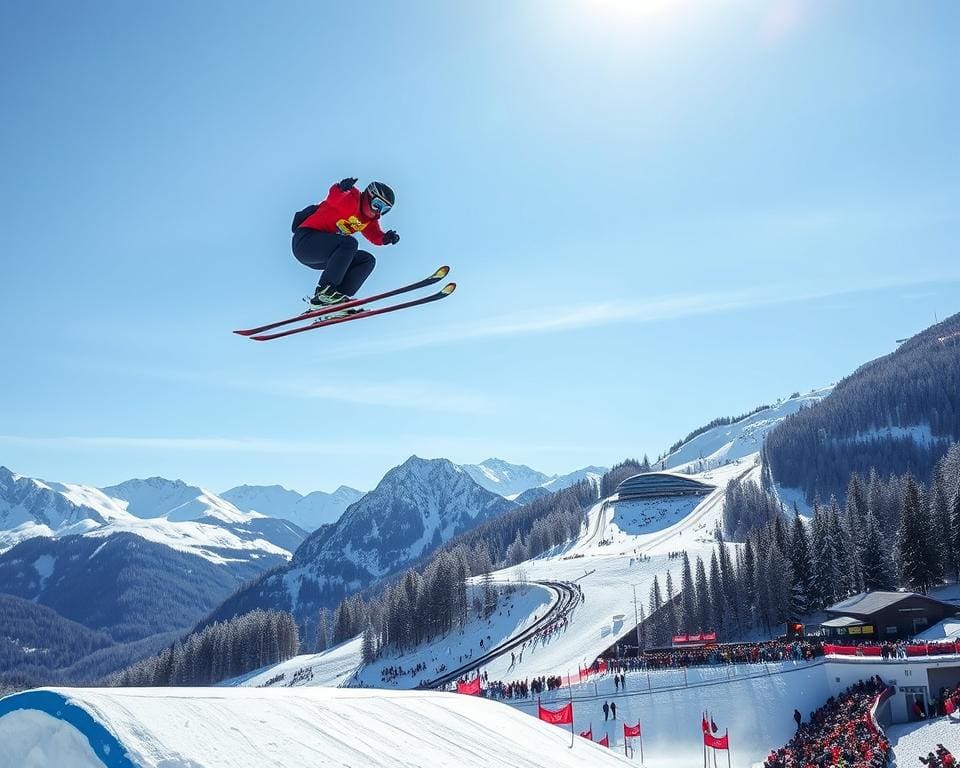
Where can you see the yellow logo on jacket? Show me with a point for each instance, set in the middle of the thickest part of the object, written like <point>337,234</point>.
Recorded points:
<point>351,225</point>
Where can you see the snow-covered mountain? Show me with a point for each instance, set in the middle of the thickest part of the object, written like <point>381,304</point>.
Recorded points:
<point>503,478</point>
<point>415,508</point>
<point>174,500</point>
<point>591,473</point>
<point>728,442</point>
<point>307,512</point>
<point>169,512</point>
<point>511,480</point>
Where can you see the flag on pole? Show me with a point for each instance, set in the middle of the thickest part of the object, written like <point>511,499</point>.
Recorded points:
<point>604,742</point>
<point>588,734</point>
<point>562,716</point>
<point>704,725</point>
<point>631,730</point>
<point>717,742</point>
<point>713,725</point>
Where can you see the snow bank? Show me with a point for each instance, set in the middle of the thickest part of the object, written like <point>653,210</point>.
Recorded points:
<point>911,740</point>
<point>267,728</point>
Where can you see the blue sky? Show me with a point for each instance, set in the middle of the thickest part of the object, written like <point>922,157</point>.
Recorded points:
<point>657,213</point>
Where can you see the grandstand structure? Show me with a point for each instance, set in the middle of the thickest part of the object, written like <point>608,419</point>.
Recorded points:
<point>655,485</point>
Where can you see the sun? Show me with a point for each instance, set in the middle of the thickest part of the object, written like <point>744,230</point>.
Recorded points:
<point>635,9</point>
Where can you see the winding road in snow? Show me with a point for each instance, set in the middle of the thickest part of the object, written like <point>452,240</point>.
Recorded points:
<point>567,598</point>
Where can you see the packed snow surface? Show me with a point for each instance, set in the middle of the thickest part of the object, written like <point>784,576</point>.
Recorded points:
<point>32,739</point>
<point>340,665</point>
<point>911,740</point>
<point>315,727</point>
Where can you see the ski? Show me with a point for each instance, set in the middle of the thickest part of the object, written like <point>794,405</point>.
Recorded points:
<point>441,294</point>
<point>434,278</point>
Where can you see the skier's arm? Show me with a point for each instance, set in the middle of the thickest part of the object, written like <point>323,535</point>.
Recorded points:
<point>373,233</point>
<point>336,194</point>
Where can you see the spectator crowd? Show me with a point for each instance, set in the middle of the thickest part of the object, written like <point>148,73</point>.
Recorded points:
<point>841,732</point>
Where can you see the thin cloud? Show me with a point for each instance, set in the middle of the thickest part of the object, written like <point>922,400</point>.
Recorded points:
<point>565,318</point>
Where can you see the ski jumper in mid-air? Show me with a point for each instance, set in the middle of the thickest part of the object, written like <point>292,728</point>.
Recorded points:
<point>323,238</point>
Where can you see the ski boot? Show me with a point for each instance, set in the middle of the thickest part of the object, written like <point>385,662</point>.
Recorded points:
<point>328,296</point>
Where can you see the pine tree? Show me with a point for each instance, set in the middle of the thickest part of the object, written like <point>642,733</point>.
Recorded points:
<point>657,615</point>
<point>841,573</point>
<point>913,550</point>
<point>688,597</point>
<point>879,572</point>
<point>940,523</point>
<point>802,569</point>
<point>955,529</point>
<point>670,608</point>
<point>323,630</point>
<point>717,598</point>
<point>704,607</point>
<point>368,647</point>
<point>854,525</point>
<point>779,585</point>
<point>823,552</point>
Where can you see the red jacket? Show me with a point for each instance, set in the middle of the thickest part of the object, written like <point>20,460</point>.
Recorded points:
<point>341,213</point>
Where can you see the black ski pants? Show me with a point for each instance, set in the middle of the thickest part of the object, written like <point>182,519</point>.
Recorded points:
<point>344,266</point>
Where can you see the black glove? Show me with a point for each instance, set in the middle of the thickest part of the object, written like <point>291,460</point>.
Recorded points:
<point>390,237</point>
<point>346,184</point>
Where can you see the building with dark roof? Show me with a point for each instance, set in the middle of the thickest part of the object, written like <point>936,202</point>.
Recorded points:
<point>885,615</point>
<point>652,485</point>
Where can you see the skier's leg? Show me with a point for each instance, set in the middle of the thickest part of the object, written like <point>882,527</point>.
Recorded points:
<point>328,251</point>
<point>359,270</point>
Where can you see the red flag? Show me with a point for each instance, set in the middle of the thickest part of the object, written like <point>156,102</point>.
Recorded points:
<point>604,742</point>
<point>704,725</point>
<point>470,689</point>
<point>722,742</point>
<point>559,717</point>
<point>588,734</point>
<point>631,730</point>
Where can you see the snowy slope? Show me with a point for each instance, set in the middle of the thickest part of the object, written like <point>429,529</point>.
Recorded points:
<point>735,441</point>
<point>341,665</point>
<point>307,728</point>
<point>308,512</point>
<point>911,740</point>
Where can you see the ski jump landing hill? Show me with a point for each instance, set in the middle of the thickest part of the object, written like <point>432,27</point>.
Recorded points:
<point>262,728</point>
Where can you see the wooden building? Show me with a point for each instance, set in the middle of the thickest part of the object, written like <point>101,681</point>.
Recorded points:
<point>882,616</point>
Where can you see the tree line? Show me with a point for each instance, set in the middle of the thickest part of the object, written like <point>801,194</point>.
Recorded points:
<point>854,429</point>
<point>218,652</point>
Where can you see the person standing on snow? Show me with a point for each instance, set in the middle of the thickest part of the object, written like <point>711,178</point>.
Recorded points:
<point>323,238</point>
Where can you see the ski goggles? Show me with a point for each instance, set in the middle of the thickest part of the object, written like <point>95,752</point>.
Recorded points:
<point>379,205</point>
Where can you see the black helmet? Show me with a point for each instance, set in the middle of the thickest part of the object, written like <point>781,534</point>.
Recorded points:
<point>379,196</point>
